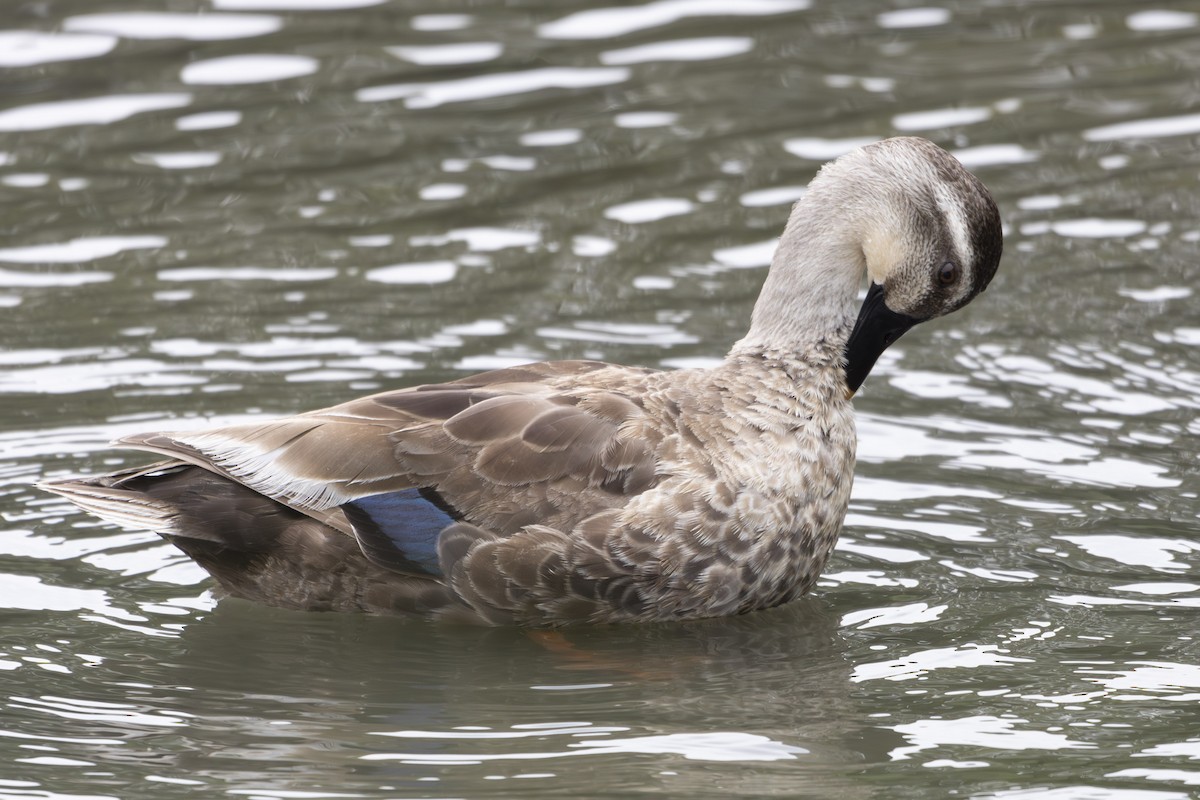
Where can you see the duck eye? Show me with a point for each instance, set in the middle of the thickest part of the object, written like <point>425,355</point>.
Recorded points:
<point>947,273</point>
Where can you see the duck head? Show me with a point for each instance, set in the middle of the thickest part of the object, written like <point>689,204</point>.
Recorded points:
<point>931,241</point>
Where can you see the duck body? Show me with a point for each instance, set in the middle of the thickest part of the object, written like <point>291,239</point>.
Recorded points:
<point>551,492</point>
<point>577,491</point>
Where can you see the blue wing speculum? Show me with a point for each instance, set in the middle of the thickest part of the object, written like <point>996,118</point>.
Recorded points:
<point>399,530</point>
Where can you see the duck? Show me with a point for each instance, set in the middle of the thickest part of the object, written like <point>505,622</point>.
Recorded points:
<point>582,492</point>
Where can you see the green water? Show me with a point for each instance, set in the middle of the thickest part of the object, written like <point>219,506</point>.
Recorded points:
<point>281,204</point>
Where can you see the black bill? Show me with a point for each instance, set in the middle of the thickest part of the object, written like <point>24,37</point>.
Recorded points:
<point>874,331</point>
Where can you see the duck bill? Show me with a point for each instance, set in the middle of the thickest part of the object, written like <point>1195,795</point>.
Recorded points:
<point>874,331</point>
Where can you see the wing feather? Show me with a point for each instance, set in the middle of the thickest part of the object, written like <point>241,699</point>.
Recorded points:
<point>538,447</point>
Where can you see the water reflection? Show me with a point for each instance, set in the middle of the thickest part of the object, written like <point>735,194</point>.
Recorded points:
<point>28,48</point>
<point>248,69</point>
<point>79,250</point>
<point>552,693</point>
<point>90,111</point>
<point>491,85</point>
<point>168,25</point>
<point>608,23</point>
<point>275,205</point>
<point>680,50</point>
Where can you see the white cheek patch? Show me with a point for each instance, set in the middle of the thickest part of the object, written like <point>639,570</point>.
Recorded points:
<point>883,252</point>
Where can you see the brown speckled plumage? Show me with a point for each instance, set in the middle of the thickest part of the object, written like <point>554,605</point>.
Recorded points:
<point>579,491</point>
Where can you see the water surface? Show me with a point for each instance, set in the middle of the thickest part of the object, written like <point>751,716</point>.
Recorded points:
<point>276,205</point>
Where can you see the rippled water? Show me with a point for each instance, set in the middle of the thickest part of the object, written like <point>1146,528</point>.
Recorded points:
<point>276,205</point>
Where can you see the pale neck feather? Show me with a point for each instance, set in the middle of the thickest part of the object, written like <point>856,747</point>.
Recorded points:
<point>810,291</point>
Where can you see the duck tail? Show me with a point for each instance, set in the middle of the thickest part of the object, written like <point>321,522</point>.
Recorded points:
<point>204,514</point>
<point>255,547</point>
<point>110,498</point>
<point>185,504</point>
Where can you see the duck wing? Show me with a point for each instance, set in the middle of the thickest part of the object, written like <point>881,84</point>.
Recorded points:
<point>547,444</point>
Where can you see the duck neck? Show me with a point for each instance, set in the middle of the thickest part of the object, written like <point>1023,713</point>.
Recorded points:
<point>807,303</point>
